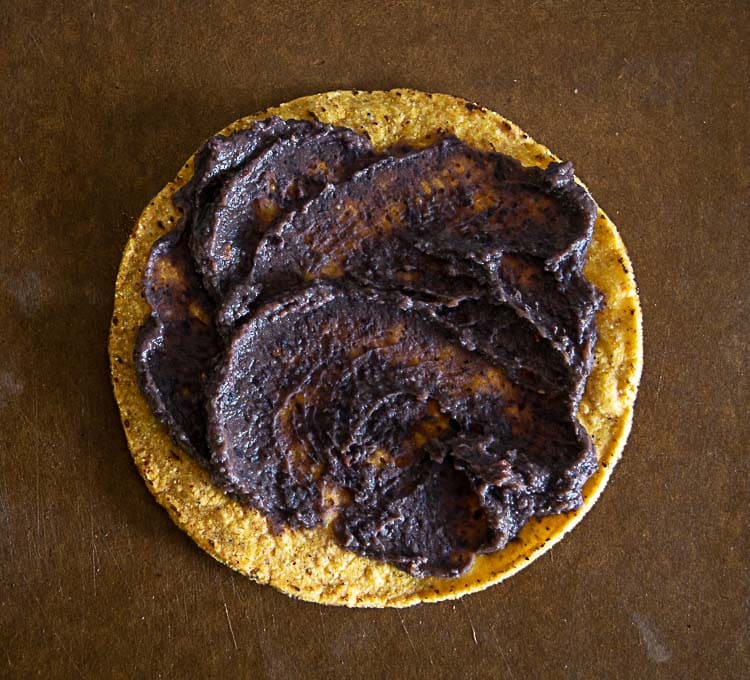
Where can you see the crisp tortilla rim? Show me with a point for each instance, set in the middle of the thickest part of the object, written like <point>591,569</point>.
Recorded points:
<point>309,564</point>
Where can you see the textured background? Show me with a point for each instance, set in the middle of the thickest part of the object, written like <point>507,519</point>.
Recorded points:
<point>103,101</point>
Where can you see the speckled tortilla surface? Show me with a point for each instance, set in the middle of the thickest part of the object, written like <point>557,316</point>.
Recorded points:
<point>309,564</point>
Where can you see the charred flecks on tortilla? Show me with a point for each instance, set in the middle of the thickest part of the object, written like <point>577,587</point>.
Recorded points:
<point>398,342</point>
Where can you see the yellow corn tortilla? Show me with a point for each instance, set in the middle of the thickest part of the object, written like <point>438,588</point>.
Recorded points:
<point>308,564</point>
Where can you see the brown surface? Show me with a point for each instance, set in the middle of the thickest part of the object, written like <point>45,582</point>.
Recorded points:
<point>103,103</point>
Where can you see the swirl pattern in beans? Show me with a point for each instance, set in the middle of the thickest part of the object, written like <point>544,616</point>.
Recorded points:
<point>391,344</point>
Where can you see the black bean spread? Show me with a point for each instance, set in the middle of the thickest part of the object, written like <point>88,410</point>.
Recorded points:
<point>393,344</point>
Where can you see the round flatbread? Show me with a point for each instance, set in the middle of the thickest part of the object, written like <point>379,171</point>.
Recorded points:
<point>309,564</point>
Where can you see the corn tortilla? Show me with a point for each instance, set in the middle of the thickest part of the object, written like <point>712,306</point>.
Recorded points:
<point>309,564</point>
